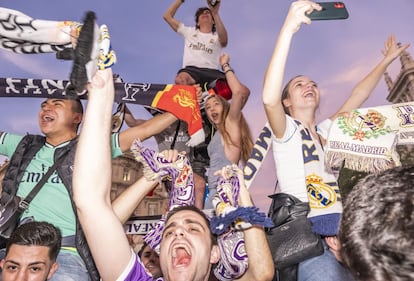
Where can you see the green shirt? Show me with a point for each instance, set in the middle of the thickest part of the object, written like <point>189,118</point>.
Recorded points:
<point>52,203</point>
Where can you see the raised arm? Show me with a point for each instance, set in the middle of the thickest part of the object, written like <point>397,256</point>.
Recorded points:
<point>92,181</point>
<point>129,199</point>
<point>364,88</point>
<point>130,119</point>
<point>272,87</point>
<point>261,266</point>
<point>170,13</point>
<point>145,130</point>
<point>126,202</point>
<point>240,93</point>
<point>220,28</point>
<point>150,127</point>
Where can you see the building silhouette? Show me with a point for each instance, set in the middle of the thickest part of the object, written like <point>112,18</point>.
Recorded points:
<point>401,89</point>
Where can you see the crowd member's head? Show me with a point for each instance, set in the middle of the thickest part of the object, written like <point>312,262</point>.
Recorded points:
<point>203,15</point>
<point>151,260</point>
<point>377,228</point>
<point>31,252</point>
<point>295,89</point>
<point>60,117</point>
<point>217,109</point>
<point>188,248</point>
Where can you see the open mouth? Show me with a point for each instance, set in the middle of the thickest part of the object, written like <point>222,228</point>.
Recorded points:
<point>309,94</point>
<point>47,118</point>
<point>181,256</point>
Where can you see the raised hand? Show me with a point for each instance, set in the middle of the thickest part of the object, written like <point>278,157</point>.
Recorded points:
<point>392,49</point>
<point>297,14</point>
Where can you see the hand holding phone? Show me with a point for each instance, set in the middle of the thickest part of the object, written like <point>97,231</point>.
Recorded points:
<point>330,11</point>
<point>213,2</point>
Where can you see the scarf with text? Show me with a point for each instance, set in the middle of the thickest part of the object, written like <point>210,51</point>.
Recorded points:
<point>180,100</point>
<point>20,33</point>
<point>322,189</point>
<point>366,139</point>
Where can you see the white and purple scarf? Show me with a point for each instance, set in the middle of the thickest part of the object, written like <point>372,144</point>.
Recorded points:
<point>229,222</point>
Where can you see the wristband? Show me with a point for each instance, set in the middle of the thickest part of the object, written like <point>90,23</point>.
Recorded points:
<point>224,65</point>
<point>229,70</point>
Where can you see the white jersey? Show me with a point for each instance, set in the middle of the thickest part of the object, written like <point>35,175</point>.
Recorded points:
<point>287,153</point>
<point>200,49</point>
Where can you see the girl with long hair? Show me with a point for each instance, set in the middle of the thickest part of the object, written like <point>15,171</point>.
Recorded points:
<point>232,141</point>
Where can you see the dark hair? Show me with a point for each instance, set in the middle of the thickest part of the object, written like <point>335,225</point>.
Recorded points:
<point>77,106</point>
<point>37,234</point>
<point>198,14</point>
<point>377,226</point>
<point>145,244</point>
<point>196,210</point>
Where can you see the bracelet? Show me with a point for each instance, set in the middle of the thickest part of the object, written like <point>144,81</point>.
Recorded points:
<point>224,65</point>
<point>229,70</point>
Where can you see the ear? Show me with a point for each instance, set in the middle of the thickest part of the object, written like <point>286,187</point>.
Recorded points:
<point>286,102</point>
<point>215,254</point>
<point>333,243</point>
<point>53,269</point>
<point>2,263</point>
<point>78,118</point>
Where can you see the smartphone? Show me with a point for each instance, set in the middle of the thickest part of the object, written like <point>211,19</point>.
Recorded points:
<point>330,11</point>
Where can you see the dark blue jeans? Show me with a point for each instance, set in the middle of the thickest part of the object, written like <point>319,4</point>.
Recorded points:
<point>324,268</point>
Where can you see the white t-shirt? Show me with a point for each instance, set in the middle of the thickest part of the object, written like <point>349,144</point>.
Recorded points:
<point>288,157</point>
<point>200,49</point>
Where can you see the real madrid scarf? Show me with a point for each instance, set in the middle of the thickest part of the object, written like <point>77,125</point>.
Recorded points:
<point>321,186</point>
<point>182,184</point>
<point>20,33</point>
<point>366,139</point>
<point>228,224</point>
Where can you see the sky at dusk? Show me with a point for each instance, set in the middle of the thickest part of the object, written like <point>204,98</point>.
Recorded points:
<point>336,54</point>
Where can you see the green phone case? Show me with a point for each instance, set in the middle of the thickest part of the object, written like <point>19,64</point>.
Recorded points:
<point>330,11</point>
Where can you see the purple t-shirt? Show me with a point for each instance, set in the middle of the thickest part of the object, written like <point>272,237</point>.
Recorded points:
<point>135,271</point>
